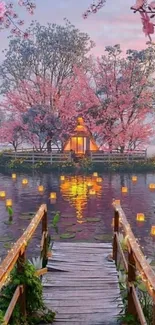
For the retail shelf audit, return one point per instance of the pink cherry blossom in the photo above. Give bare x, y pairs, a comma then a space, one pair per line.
2, 9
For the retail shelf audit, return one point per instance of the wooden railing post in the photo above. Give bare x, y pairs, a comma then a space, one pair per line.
131, 279
22, 297
45, 230
116, 231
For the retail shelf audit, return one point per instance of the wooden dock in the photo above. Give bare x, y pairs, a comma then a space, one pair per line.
81, 285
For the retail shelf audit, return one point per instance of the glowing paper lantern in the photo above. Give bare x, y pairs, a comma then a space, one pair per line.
40, 188
140, 217
92, 192
152, 186
2, 194
14, 176
153, 230
8, 203
62, 178
124, 189
25, 181
89, 184
117, 202
53, 195
95, 174
134, 178
99, 179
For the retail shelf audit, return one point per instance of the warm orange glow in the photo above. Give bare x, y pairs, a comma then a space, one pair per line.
92, 192
2, 194
62, 178
75, 189
99, 179
53, 195
134, 178
40, 188
124, 189
81, 140
95, 174
153, 230
25, 181
14, 176
8, 203
152, 186
140, 217
117, 202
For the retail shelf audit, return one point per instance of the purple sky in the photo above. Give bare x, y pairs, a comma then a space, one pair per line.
114, 24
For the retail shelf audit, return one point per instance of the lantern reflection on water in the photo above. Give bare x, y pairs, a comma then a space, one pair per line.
14, 176
152, 186
134, 178
153, 230
75, 189
40, 188
25, 181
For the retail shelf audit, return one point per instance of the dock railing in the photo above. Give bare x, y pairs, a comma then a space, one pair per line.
135, 263
17, 256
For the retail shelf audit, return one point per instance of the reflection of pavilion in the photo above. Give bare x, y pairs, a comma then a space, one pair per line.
75, 189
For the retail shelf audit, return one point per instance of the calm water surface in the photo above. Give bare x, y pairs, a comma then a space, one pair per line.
76, 205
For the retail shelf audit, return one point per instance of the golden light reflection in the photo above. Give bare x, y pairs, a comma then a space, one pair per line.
75, 189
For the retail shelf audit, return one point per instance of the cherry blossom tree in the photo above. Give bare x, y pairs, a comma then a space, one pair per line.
52, 53
9, 17
12, 132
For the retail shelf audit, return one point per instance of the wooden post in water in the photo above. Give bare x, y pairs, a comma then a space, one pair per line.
45, 231
22, 297
131, 279
116, 231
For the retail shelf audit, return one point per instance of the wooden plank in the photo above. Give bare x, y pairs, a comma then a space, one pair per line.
12, 304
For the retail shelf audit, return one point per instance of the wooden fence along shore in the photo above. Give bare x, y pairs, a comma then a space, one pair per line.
85, 275
33, 157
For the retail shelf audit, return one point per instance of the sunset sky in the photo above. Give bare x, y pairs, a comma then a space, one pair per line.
114, 24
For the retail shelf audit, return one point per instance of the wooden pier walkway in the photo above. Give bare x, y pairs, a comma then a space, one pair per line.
81, 285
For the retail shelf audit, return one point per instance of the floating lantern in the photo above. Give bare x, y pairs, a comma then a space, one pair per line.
117, 202
99, 179
89, 184
25, 181
134, 178
40, 188
14, 176
153, 230
8, 203
62, 178
95, 174
140, 217
53, 195
124, 189
152, 186
2, 194
92, 192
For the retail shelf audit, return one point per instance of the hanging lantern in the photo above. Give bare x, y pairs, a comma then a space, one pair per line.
124, 189
25, 181
92, 192
53, 195
99, 179
40, 188
62, 178
95, 174
153, 230
140, 217
152, 186
2, 194
14, 176
134, 178
8, 203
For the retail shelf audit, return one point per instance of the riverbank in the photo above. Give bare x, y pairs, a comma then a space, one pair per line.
84, 165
